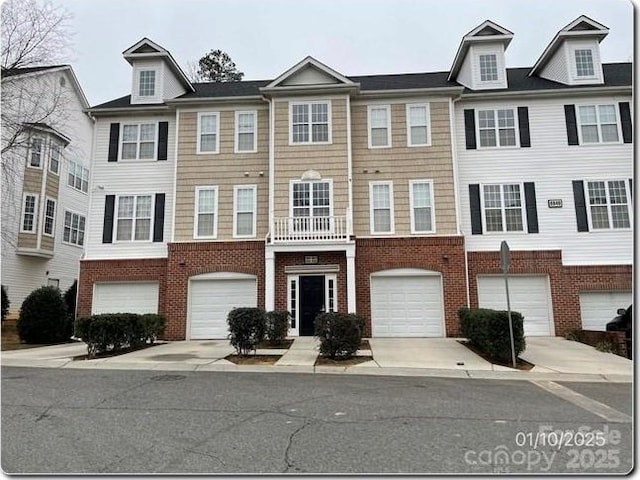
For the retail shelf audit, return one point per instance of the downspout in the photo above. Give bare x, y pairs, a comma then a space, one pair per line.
454, 162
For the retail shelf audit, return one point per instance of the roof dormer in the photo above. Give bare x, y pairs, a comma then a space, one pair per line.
156, 76
480, 61
573, 56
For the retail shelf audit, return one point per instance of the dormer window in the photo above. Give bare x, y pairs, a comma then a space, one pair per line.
584, 63
147, 83
488, 68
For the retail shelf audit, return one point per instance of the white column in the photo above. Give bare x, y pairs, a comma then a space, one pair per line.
269, 280
351, 278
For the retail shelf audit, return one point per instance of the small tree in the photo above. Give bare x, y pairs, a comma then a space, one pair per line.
217, 66
277, 326
246, 328
5, 303
70, 299
43, 317
340, 334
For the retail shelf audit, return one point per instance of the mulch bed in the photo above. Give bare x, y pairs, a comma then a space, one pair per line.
253, 359
348, 362
520, 363
286, 344
116, 353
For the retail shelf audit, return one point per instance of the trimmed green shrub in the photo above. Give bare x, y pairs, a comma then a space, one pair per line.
277, 326
340, 334
5, 303
70, 299
488, 330
43, 317
246, 328
110, 332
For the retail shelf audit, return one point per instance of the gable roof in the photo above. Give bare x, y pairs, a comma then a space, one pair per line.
581, 27
487, 31
12, 72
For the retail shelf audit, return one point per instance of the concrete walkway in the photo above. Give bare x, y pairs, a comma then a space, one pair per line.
555, 359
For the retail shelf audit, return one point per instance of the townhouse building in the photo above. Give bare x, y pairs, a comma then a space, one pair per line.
311, 192
46, 148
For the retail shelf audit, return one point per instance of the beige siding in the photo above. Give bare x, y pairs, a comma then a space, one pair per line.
223, 170
330, 160
53, 182
47, 243
27, 240
32, 180
401, 164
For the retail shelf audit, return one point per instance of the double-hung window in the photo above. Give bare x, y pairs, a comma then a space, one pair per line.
598, 123
379, 126
133, 221
54, 160
36, 151
381, 202
73, 228
147, 86
421, 199
138, 141
503, 211
584, 62
310, 122
488, 68
246, 132
608, 204
311, 206
244, 217
49, 216
29, 213
418, 125
78, 177
206, 215
208, 132
497, 128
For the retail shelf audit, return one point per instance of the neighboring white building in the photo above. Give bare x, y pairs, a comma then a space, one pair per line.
46, 144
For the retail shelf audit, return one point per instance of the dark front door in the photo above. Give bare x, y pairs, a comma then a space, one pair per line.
311, 302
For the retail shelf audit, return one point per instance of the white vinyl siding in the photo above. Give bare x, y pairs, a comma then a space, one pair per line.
133, 220
246, 132
138, 141
309, 123
502, 207
422, 208
29, 223
208, 132
49, 217
598, 124
206, 212
244, 211
418, 128
497, 128
381, 207
379, 119
74, 225
608, 204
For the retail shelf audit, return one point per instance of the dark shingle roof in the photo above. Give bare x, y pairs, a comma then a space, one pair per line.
10, 72
615, 74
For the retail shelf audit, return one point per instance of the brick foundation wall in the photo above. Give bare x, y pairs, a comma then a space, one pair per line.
594, 337
440, 254
566, 282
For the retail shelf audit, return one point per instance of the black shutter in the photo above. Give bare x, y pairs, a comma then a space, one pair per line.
163, 133
572, 125
470, 128
532, 209
158, 221
581, 206
114, 138
476, 211
523, 124
625, 118
107, 226
631, 188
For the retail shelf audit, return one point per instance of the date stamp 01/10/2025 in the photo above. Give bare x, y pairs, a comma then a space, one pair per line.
549, 449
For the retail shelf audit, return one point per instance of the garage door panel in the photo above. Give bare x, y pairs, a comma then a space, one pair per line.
125, 297
599, 308
528, 295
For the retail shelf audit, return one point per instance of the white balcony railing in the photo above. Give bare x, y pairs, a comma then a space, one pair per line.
309, 229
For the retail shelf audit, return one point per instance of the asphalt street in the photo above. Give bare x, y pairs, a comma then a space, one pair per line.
109, 421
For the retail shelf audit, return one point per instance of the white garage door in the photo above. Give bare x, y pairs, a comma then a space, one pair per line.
406, 303
529, 295
599, 308
125, 297
211, 300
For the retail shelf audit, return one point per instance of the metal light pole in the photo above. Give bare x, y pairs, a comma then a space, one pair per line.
505, 260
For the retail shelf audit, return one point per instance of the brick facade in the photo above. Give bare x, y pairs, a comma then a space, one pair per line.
566, 282
440, 254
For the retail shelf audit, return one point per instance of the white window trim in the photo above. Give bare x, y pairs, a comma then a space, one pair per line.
51, 150
391, 208
215, 212
412, 211
599, 124
159, 84
84, 232
408, 112
329, 122
155, 82
486, 54
35, 212
199, 132
379, 107
516, 126
42, 152
523, 208
324, 180
133, 225
295, 332
235, 209
592, 229
138, 159
75, 165
53, 221
237, 131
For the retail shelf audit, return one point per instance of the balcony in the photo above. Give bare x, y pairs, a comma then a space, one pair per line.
309, 229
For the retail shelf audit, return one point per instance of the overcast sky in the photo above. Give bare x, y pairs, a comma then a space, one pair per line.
355, 37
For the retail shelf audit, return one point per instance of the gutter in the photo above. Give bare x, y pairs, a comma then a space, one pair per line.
556, 92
